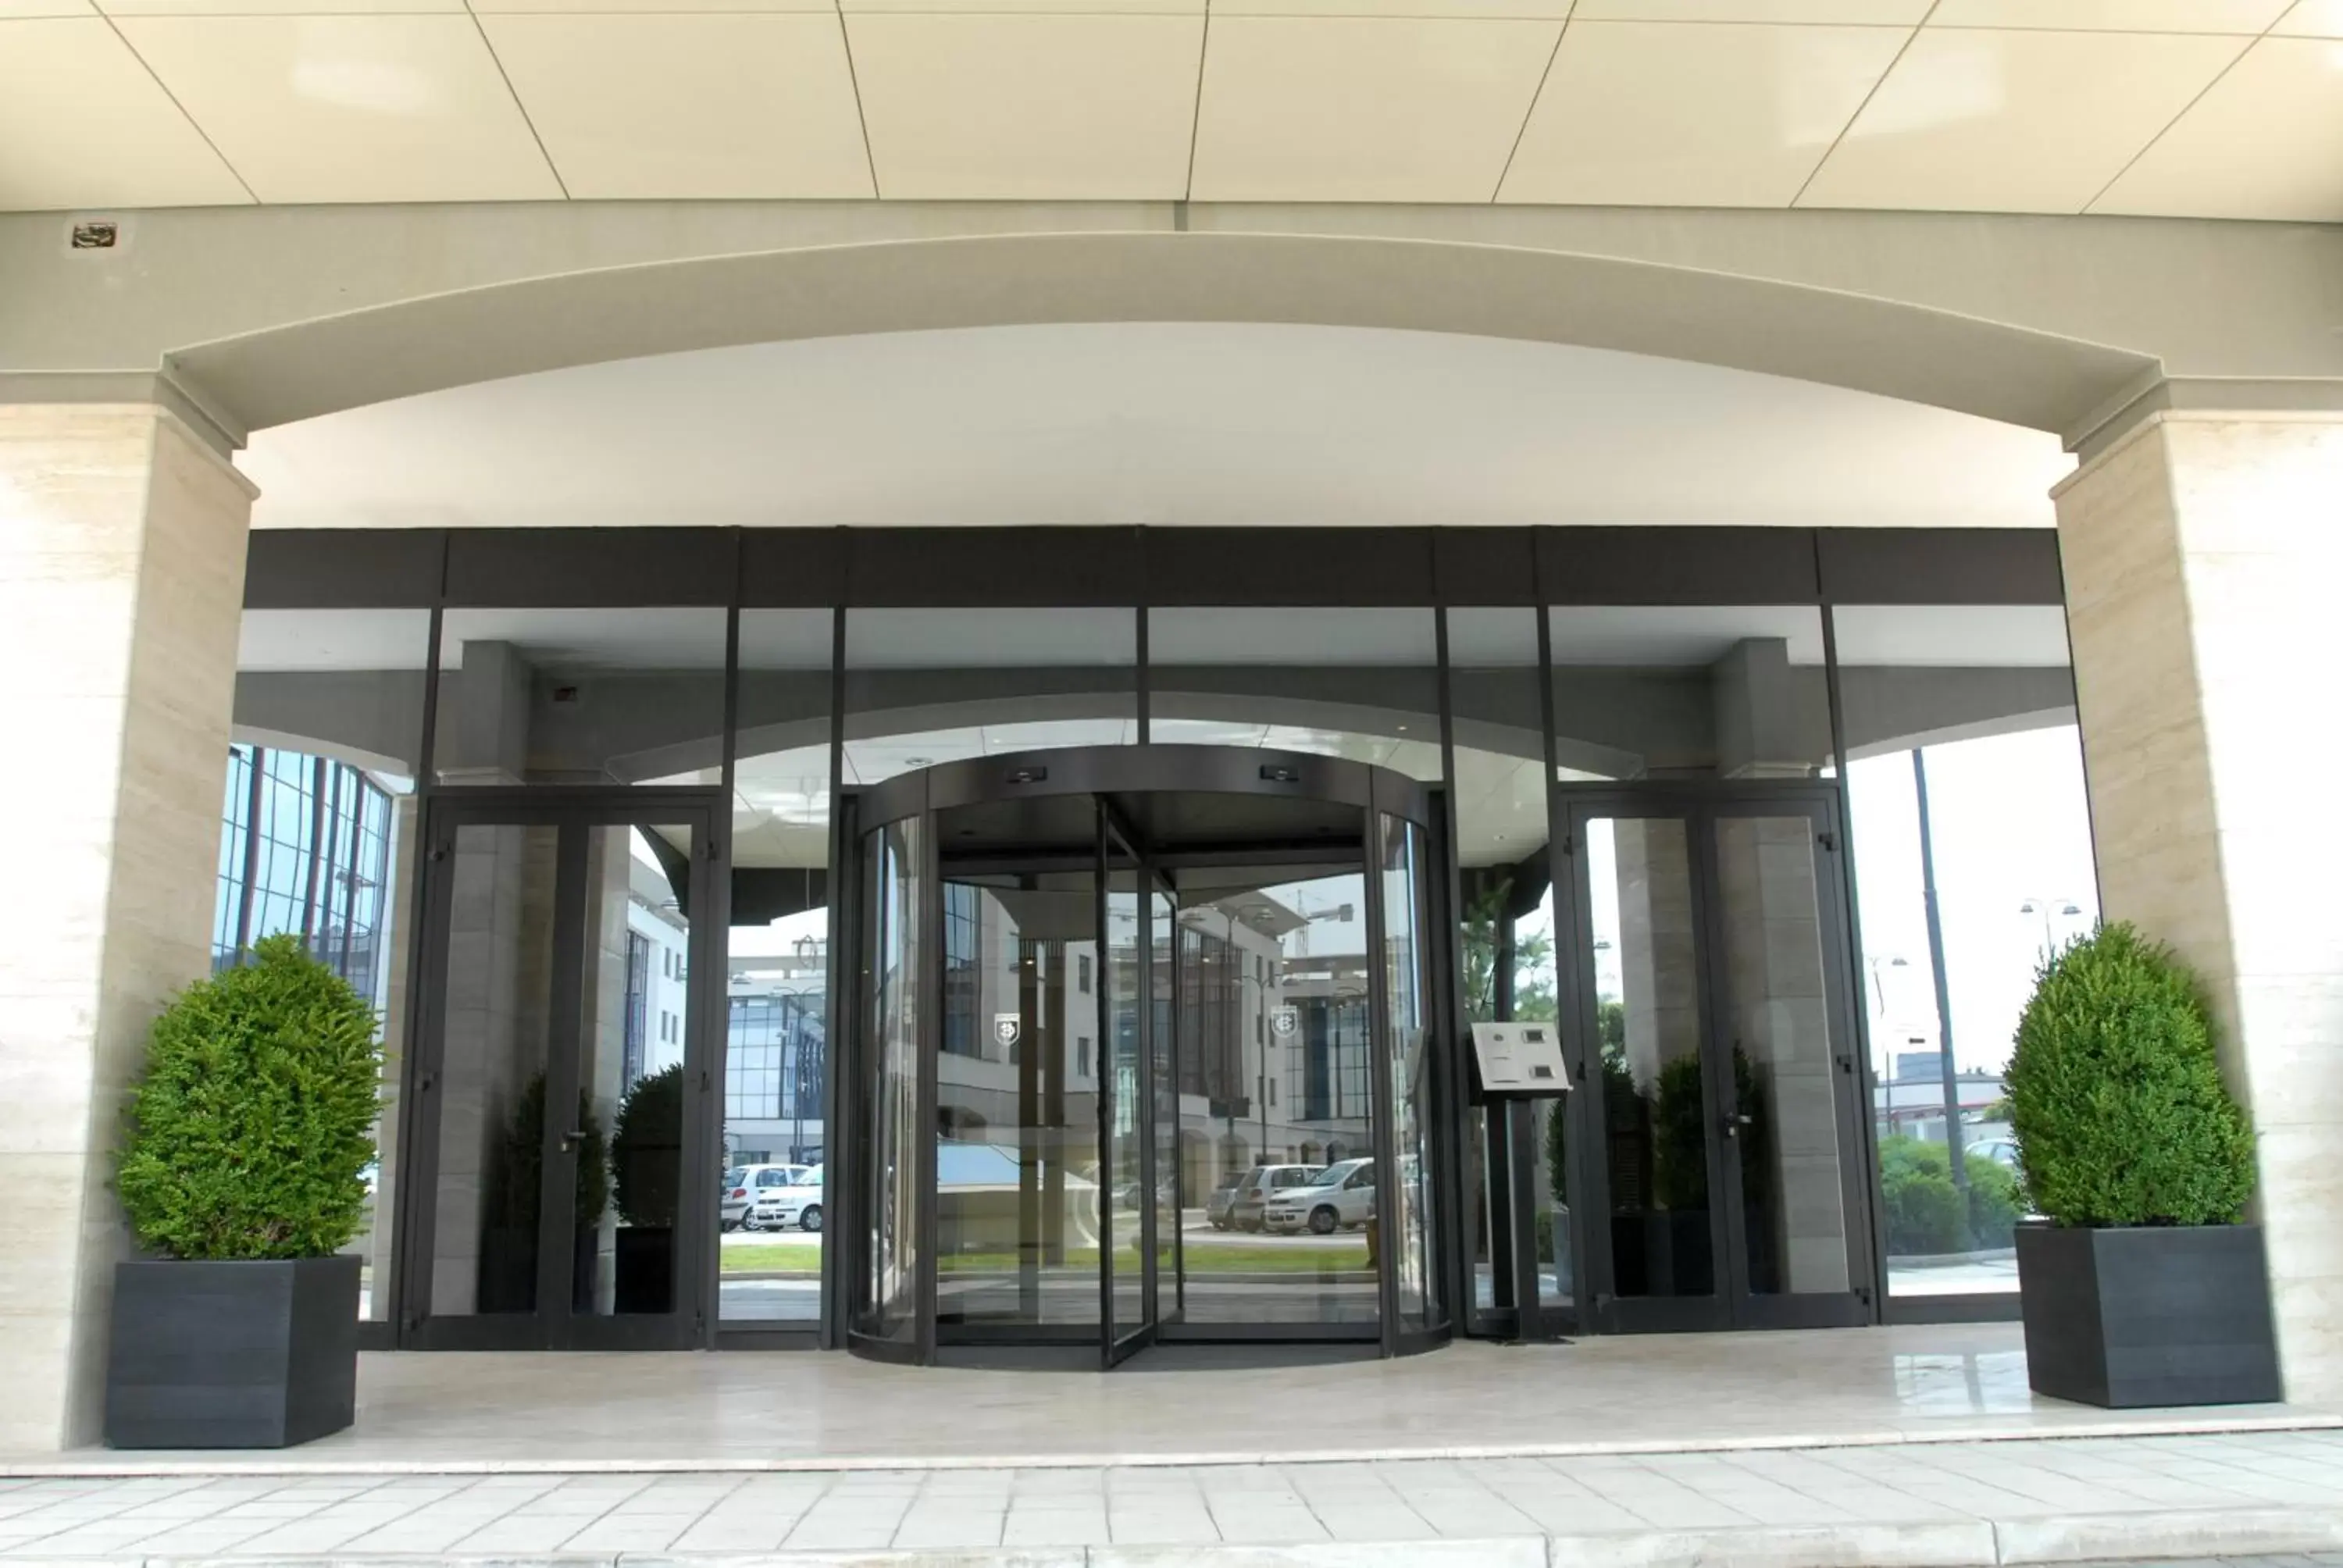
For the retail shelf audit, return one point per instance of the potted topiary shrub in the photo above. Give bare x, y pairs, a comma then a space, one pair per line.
2139, 1285
646, 1168
240, 1174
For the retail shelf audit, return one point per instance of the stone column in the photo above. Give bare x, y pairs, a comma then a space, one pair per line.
2204, 562
122, 540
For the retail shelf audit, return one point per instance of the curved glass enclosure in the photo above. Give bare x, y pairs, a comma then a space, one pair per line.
1142, 1050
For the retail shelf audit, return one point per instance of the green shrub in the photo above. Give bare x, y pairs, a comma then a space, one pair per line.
2115, 1099
1921, 1206
1997, 1200
647, 1149
249, 1133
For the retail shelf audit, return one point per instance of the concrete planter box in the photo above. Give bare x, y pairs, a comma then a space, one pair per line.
2147, 1315
232, 1354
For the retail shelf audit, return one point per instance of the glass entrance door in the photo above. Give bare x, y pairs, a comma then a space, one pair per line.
1722, 1101
565, 1180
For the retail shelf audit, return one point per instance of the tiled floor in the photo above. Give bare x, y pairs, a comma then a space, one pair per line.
2022, 1500
1653, 1393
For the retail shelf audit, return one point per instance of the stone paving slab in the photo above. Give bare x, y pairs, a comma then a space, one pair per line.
2228, 1495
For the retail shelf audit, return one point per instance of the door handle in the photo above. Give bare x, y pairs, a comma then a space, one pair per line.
572, 1139
1734, 1124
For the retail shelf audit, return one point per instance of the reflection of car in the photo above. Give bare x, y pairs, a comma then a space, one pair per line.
2002, 1151
1343, 1195
1237, 1201
796, 1204
745, 1184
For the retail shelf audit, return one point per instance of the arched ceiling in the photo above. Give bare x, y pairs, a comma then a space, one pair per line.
1154, 423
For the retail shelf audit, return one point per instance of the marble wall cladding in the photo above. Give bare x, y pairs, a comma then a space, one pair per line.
121, 542
2204, 564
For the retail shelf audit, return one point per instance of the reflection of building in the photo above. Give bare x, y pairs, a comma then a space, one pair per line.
658, 967
775, 1048
306, 849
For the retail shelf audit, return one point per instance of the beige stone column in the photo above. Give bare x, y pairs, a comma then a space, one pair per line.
2204, 562
122, 540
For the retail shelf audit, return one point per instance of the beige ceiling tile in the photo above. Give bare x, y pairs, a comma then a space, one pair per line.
968, 107
2266, 142
12, 10
1518, 10
84, 124
1036, 7
2112, 15
1691, 115
1363, 108
350, 108
1977, 121
688, 107
2312, 19
278, 7
650, 7
1846, 13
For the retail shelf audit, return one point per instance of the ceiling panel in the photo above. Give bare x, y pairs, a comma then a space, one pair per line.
1041, 7
2265, 142
1033, 107
1691, 115
1852, 13
82, 123
1363, 108
689, 106
2248, 17
2313, 19
13, 9
350, 108
2014, 121
1517, 10
275, 7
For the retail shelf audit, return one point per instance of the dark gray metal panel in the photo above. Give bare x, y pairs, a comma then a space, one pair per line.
793, 567
591, 567
1333, 566
343, 568
1011, 566
1677, 566
1939, 566
1484, 566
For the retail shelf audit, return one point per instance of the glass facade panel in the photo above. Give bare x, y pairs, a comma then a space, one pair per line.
776, 1058
1507, 933
1973, 861
1359, 683
1667, 692
929, 686
580, 697
1407, 1220
319, 832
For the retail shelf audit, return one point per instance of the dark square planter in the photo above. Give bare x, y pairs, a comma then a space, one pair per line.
232, 1355
2147, 1315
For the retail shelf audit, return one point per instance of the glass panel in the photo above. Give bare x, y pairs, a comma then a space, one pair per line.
1357, 683
1407, 1220
1975, 706
1128, 1118
631, 1037
1275, 1098
1776, 1015
580, 697
776, 1065
1173, 1208
491, 1091
1507, 919
319, 834
1647, 1020
887, 1302
1690, 692
927, 686
1018, 1178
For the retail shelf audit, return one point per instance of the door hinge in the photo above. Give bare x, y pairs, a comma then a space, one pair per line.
1569, 845
1829, 841
705, 1083
1846, 1065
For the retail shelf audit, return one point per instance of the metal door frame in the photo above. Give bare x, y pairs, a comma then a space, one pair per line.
1700, 807
554, 1324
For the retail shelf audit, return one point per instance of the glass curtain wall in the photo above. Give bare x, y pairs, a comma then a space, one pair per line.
1973, 863
1507, 933
777, 975
319, 834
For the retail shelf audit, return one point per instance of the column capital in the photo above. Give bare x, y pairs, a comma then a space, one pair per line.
2158, 396
172, 391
